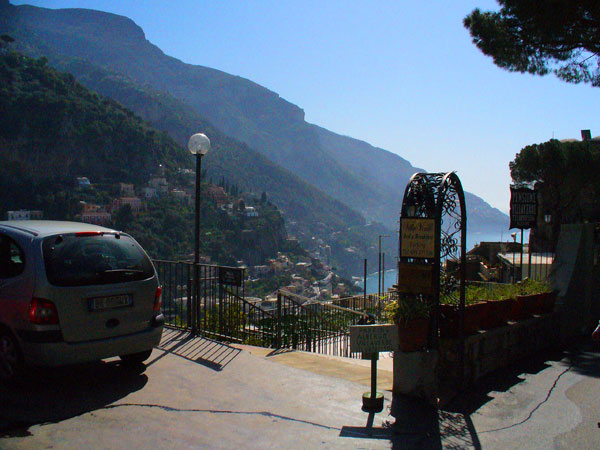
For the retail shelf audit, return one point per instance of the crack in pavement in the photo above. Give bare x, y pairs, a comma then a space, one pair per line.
530, 415
217, 411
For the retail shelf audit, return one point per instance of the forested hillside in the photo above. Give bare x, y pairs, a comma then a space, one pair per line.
54, 130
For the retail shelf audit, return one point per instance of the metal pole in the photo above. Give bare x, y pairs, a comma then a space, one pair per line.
365, 283
196, 319
521, 264
379, 270
278, 324
383, 272
374, 358
379, 274
197, 228
513, 265
529, 251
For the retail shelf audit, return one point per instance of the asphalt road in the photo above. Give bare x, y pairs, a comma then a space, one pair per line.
549, 401
196, 393
193, 393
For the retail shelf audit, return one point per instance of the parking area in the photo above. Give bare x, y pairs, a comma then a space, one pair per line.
198, 393
192, 393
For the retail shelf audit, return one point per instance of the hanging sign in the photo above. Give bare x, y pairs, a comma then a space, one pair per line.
523, 208
417, 238
415, 278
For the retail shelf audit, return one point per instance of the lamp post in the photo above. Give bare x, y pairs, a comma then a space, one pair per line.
198, 145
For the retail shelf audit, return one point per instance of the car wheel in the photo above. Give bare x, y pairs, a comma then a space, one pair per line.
11, 360
136, 358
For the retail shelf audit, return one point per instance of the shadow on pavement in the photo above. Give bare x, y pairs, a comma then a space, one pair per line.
419, 425
212, 354
416, 426
53, 395
577, 357
368, 431
585, 358
455, 425
280, 351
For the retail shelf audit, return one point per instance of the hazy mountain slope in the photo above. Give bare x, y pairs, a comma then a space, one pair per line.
54, 130
228, 158
389, 174
238, 107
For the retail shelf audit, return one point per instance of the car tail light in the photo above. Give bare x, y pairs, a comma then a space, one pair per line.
158, 299
42, 312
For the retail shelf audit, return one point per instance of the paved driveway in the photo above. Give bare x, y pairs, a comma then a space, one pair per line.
194, 393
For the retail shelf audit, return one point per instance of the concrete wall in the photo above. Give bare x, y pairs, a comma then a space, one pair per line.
575, 275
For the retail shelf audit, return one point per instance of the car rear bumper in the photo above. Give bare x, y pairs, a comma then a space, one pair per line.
62, 353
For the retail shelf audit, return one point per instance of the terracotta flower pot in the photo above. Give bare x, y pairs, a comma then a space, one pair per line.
498, 313
475, 315
515, 310
412, 335
529, 304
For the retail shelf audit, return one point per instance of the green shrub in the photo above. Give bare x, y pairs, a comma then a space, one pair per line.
497, 291
406, 308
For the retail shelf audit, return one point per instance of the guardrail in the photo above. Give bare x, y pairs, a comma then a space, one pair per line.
213, 304
202, 298
371, 303
315, 326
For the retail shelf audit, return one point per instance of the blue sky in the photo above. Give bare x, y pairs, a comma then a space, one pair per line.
401, 75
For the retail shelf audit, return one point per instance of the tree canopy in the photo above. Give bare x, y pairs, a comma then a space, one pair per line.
566, 175
542, 37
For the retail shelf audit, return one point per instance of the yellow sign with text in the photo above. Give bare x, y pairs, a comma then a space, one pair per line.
418, 238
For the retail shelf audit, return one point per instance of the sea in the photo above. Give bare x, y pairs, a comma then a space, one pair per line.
390, 275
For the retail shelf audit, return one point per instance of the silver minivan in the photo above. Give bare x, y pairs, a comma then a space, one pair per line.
74, 292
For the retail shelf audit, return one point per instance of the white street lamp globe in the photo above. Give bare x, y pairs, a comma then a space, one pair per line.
199, 144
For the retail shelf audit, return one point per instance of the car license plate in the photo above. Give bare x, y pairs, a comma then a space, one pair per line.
113, 301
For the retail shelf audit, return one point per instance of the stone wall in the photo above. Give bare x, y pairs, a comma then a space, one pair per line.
489, 350
432, 374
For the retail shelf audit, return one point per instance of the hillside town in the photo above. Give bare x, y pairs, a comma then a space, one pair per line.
308, 276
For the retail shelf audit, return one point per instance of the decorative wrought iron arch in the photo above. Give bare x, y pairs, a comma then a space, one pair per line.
438, 198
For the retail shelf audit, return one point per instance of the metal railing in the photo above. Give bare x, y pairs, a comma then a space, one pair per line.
213, 303
315, 326
371, 303
215, 306
177, 284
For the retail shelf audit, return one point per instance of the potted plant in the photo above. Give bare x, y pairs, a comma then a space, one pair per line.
534, 297
411, 314
476, 314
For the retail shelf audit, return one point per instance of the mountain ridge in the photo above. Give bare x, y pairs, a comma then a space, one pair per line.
239, 107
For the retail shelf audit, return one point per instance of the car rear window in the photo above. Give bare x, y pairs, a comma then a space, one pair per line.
82, 259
